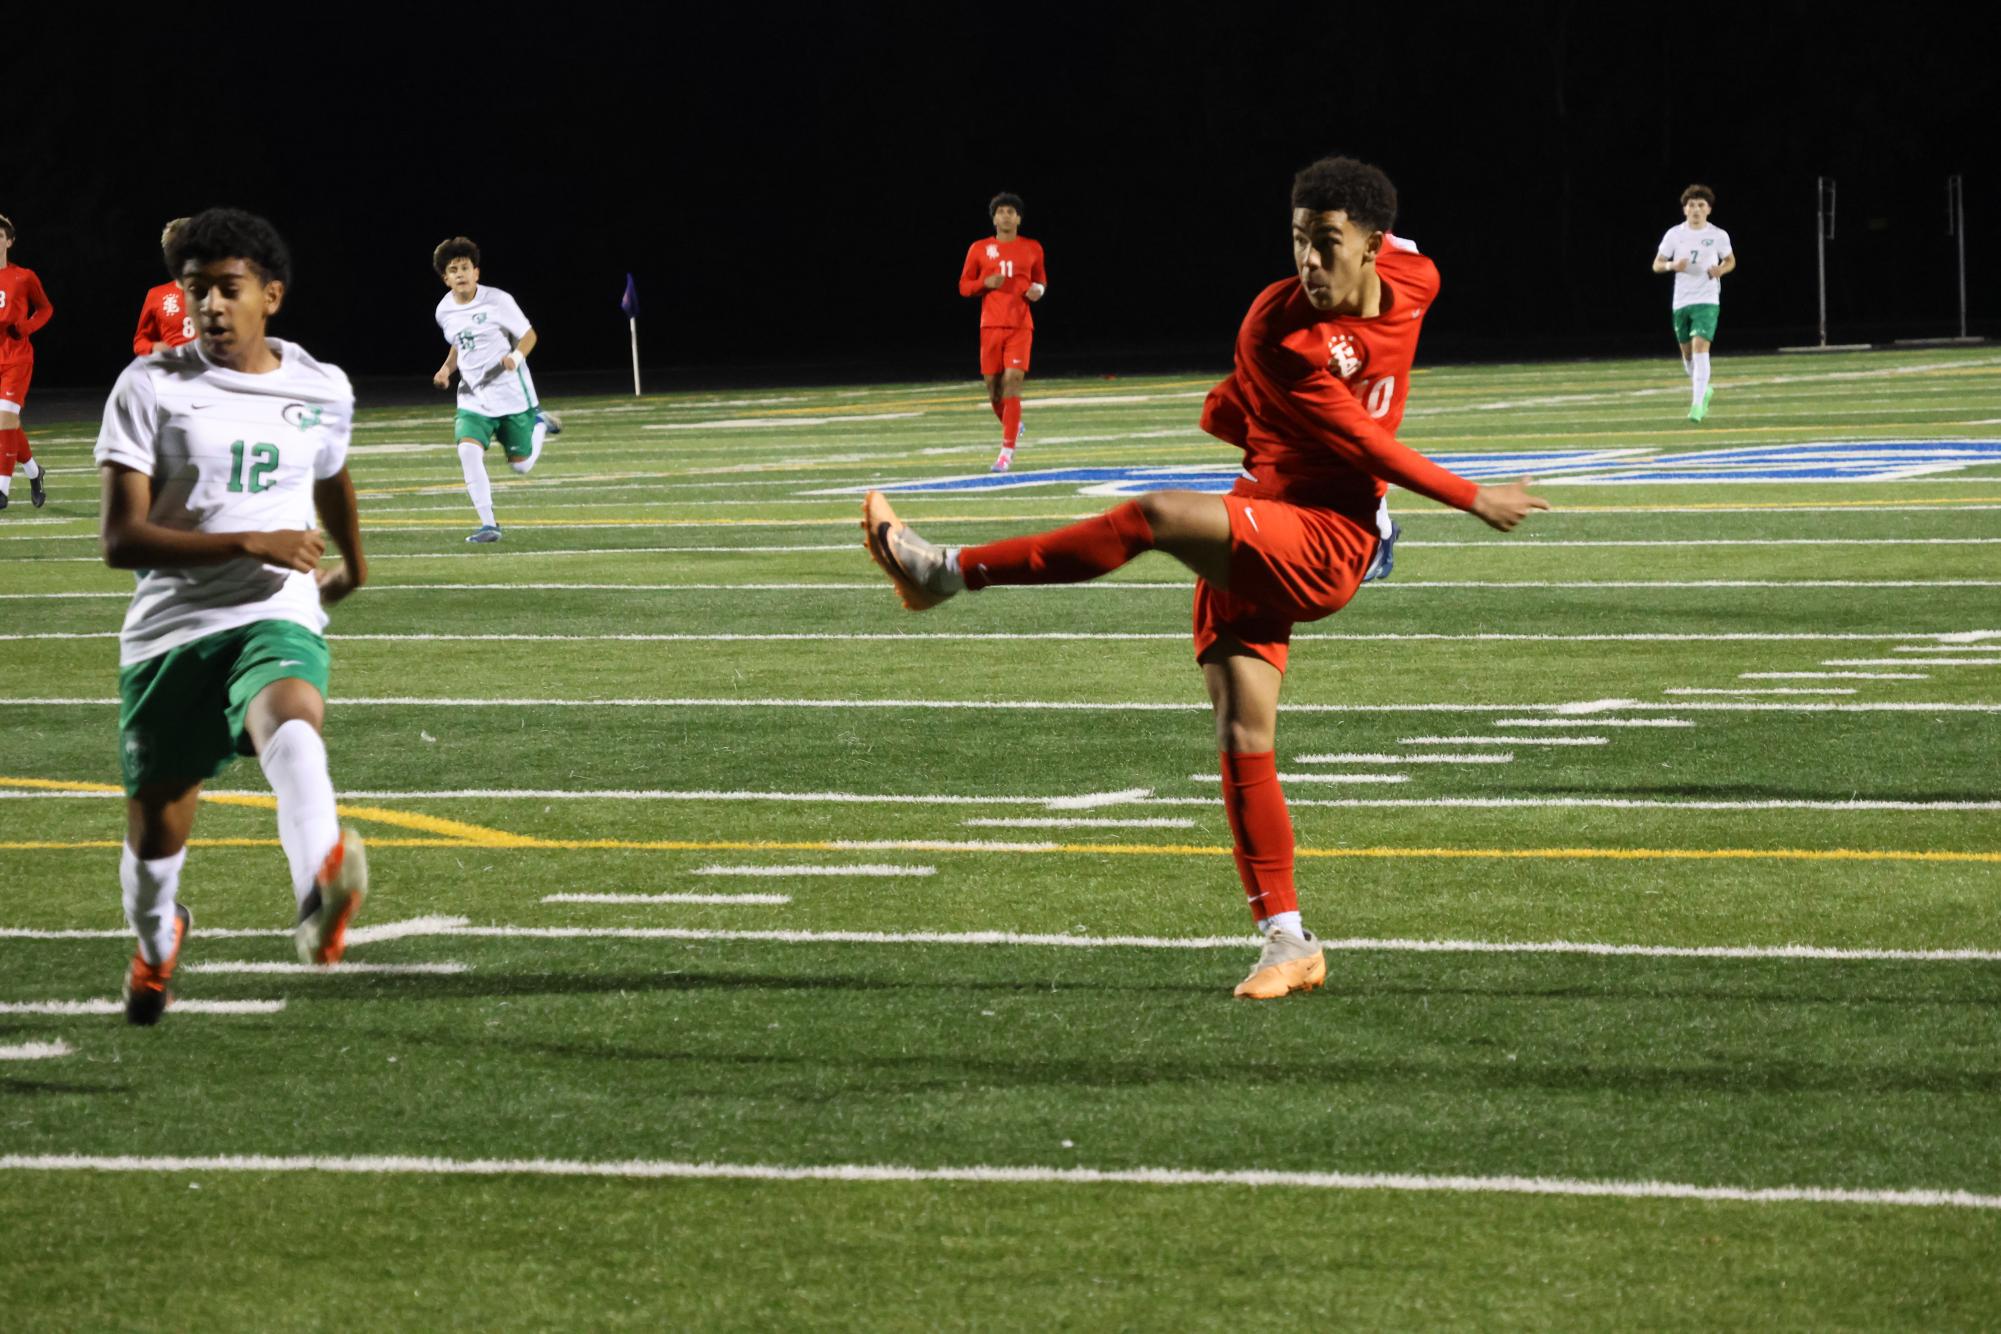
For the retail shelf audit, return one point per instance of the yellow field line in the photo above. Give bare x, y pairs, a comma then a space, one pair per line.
522, 842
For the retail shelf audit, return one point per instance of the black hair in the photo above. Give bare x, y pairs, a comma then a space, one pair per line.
1355, 188
230, 233
1005, 199
1702, 192
456, 247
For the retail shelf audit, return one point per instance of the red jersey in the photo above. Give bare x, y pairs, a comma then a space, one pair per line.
23, 309
165, 318
1019, 263
1315, 400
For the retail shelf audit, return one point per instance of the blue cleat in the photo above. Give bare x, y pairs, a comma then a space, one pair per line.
1385, 558
487, 533
551, 420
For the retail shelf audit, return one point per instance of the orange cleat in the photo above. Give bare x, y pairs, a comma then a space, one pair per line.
1289, 963
146, 985
919, 570
338, 889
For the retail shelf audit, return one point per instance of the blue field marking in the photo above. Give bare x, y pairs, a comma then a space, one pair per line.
1815, 461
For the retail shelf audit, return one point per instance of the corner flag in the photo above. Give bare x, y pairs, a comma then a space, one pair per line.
629, 303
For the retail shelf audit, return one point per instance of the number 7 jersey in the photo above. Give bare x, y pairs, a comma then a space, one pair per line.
1315, 400
228, 452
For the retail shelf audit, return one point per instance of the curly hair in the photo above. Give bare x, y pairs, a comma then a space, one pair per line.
1005, 199
230, 233
1355, 188
1702, 192
456, 247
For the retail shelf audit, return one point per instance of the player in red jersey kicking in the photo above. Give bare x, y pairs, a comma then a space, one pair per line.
1322, 365
1005, 272
24, 308
165, 320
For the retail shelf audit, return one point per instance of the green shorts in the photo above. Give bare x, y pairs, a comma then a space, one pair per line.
181, 715
1695, 322
516, 431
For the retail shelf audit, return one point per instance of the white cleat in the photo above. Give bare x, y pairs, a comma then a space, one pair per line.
1005, 461
922, 574
338, 889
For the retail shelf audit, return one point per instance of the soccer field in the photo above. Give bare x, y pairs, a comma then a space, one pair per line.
744, 950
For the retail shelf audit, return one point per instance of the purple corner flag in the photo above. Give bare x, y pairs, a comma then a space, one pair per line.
629, 303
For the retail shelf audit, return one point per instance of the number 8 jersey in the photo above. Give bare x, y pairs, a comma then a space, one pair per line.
228, 452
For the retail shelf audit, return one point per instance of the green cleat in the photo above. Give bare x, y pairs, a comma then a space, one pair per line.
1701, 410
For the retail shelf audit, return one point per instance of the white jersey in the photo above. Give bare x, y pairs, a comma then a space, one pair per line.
484, 330
228, 452
1703, 250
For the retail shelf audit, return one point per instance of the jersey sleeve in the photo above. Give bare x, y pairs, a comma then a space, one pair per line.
1666, 248
512, 318
39, 309
1321, 409
970, 283
1725, 251
336, 430
147, 333
1038, 275
131, 428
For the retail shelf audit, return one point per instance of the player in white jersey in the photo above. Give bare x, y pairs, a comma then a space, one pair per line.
1697, 252
490, 340
215, 455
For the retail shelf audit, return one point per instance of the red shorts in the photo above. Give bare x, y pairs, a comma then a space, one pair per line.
1004, 349
14, 377
1288, 563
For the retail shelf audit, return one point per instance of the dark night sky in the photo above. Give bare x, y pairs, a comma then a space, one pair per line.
797, 195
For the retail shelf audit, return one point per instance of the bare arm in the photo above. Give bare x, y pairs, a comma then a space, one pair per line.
1662, 264
443, 379
130, 539
521, 350
335, 498
1729, 265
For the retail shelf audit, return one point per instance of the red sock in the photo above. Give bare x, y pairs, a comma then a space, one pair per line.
1010, 421
1062, 555
10, 441
22, 453
1262, 829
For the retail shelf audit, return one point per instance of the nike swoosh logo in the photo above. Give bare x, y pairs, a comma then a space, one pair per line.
1253, 518
292, 662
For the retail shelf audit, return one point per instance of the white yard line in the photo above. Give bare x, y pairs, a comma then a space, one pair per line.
1079, 822
1363, 758
94, 1007
343, 969
1503, 741
748, 900
1592, 722
982, 1175
35, 1051
1762, 690
1127, 706
1912, 662
1315, 778
859, 870
1093, 636
1833, 676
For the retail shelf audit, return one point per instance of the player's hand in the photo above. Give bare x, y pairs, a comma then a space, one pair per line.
443, 379
994, 280
293, 548
508, 363
1506, 505
1034, 292
335, 582
1713, 270
1679, 266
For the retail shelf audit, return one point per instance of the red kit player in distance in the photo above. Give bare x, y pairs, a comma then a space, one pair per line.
1322, 366
165, 320
1005, 271
24, 308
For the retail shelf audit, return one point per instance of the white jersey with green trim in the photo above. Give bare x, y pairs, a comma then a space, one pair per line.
1703, 249
228, 452
484, 330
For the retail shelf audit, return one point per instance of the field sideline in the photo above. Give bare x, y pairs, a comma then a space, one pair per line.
746, 950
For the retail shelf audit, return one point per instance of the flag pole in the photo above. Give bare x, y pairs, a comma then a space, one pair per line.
629, 303
633, 321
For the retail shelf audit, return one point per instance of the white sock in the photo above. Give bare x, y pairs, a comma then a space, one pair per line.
149, 900
6, 484
295, 764
1687, 366
1281, 921
535, 448
1701, 376
472, 461
32, 468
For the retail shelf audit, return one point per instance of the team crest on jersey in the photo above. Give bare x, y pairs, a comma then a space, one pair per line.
993, 252
1343, 357
479, 318
171, 305
301, 416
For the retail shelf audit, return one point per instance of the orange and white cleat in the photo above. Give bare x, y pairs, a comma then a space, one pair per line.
338, 889
921, 571
1289, 963
147, 986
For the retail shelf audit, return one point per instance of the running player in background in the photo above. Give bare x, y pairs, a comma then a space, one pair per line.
1697, 252
215, 456
164, 320
24, 308
1322, 365
1005, 271
490, 340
